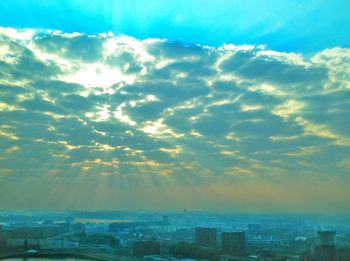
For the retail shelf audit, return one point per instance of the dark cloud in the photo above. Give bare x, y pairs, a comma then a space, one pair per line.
80, 46
20, 63
269, 69
9, 93
56, 87
39, 104
75, 102
125, 60
175, 50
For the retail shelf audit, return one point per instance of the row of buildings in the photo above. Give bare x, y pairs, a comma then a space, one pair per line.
234, 244
50, 243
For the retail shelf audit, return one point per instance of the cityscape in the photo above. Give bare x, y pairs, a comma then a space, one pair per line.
184, 235
174, 130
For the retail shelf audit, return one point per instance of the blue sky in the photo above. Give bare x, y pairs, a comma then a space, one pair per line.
302, 26
156, 105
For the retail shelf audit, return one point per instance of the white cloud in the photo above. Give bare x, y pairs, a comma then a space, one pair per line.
120, 115
288, 108
159, 130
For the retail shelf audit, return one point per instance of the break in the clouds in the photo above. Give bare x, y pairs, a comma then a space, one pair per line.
97, 121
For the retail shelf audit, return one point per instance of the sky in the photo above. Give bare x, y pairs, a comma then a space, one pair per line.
160, 105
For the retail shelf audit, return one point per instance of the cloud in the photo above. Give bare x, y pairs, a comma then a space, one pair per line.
73, 46
159, 112
275, 68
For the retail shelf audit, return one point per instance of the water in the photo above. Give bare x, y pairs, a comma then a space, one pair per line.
100, 220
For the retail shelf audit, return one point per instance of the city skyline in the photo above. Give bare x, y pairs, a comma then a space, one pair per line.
152, 111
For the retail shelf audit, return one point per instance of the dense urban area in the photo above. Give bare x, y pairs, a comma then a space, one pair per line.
185, 235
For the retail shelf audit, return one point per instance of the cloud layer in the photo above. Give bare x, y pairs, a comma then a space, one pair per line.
119, 117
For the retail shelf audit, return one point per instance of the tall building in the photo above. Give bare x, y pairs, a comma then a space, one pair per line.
165, 220
326, 238
325, 250
233, 243
205, 236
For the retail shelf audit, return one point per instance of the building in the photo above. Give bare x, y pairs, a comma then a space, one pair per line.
343, 254
325, 250
165, 220
233, 243
326, 238
145, 248
206, 237
91, 228
254, 229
